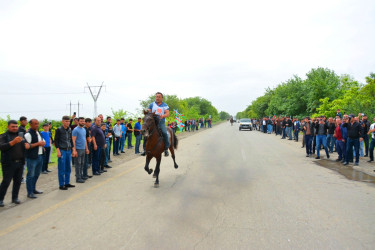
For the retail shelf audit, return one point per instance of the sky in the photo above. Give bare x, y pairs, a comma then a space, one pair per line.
228, 52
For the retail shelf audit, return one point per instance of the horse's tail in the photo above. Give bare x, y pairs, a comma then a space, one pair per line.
175, 141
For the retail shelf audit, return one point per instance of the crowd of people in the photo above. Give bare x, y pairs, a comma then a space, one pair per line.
348, 135
81, 142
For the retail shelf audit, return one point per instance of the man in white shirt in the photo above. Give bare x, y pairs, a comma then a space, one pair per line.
372, 144
34, 158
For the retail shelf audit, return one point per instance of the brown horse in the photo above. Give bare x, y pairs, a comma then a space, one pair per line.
155, 144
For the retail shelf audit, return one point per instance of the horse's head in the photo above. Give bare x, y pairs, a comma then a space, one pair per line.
149, 123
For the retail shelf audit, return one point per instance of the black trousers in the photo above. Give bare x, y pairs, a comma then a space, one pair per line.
12, 171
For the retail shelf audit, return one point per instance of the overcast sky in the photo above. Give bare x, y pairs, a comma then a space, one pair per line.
225, 51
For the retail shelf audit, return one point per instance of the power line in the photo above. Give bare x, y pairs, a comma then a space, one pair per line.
51, 93
95, 95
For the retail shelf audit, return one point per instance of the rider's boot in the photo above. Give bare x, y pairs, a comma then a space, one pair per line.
166, 153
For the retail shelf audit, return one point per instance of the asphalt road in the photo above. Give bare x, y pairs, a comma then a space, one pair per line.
233, 190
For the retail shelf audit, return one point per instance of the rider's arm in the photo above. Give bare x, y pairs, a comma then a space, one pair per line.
166, 114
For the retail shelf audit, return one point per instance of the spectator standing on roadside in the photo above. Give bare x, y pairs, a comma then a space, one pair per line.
321, 137
64, 144
88, 157
340, 135
22, 129
331, 130
289, 125
80, 149
46, 134
98, 141
52, 142
354, 137
130, 133
117, 131
365, 127
372, 144
34, 158
308, 128
137, 134
12, 148
103, 157
123, 137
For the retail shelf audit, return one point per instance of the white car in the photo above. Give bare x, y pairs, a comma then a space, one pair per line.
246, 123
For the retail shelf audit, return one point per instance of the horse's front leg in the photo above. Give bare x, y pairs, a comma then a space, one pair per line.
148, 159
157, 171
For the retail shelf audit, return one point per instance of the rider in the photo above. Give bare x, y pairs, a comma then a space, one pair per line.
162, 110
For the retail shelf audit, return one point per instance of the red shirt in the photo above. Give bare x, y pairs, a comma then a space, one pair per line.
338, 133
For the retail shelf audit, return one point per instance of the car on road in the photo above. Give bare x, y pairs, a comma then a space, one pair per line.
245, 124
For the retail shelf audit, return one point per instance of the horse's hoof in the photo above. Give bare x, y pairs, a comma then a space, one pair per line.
154, 175
150, 171
176, 166
156, 185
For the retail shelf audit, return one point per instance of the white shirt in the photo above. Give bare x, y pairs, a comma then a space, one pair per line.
28, 139
372, 127
264, 122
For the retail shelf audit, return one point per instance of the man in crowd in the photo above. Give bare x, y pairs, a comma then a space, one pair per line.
137, 134
372, 144
47, 137
12, 148
354, 137
98, 144
192, 125
129, 133
289, 125
365, 127
64, 144
22, 130
308, 128
80, 149
296, 129
283, 127
331, 130
88, 157
340, 134
34, 158
321, 137
117, 131
123, 135
104, 154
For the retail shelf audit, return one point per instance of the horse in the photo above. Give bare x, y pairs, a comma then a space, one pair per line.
155, 143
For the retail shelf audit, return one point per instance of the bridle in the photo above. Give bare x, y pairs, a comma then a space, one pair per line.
148, 128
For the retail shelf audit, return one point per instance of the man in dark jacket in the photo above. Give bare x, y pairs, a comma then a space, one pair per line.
64, 145
365, 127
308, 129
341, 136
321, 137
12, 148
355, 135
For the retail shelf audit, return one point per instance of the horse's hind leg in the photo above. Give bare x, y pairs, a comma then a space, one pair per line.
157, 171
148, 159
173, 157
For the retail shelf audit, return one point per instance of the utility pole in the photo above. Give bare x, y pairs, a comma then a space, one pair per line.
70, 107
95, 95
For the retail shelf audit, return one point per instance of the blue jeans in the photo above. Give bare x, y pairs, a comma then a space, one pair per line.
86, 165
96, 159
361, 148
107, 152
308, 142
284, 132
269, 128
137, 142
129, 140
296, 135
330, 142
64, 167
372, 146
349, 149
116, 143
122, 142
34, 167
321, 139
165, 135
341, 149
